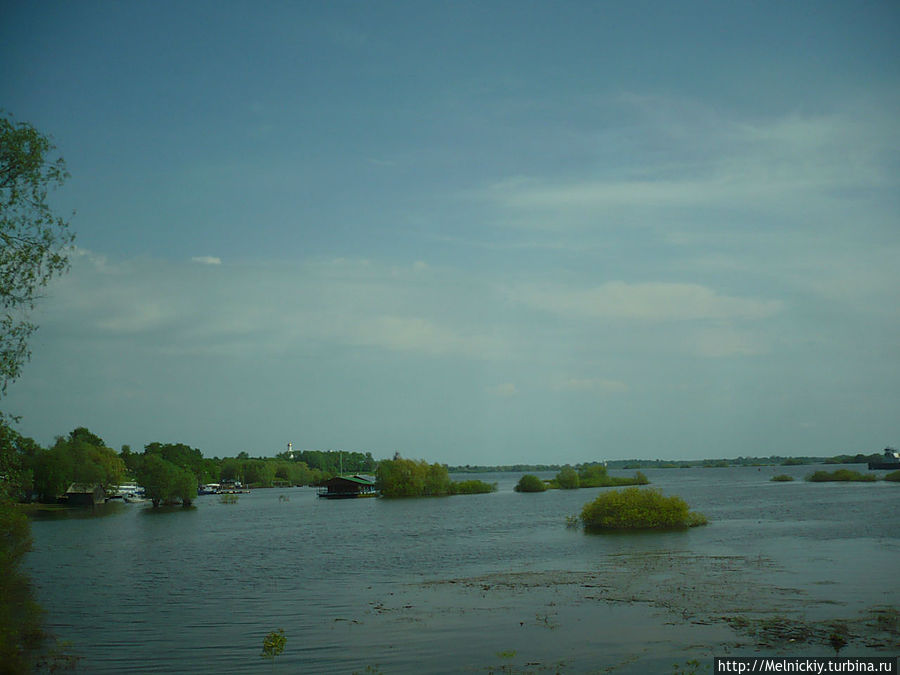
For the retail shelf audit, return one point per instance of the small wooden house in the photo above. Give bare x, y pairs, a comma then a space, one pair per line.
85, 494
347, 487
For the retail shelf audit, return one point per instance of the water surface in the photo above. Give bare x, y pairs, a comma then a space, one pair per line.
464, 583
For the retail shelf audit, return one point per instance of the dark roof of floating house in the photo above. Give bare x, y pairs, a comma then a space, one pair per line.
85, 493
349, 483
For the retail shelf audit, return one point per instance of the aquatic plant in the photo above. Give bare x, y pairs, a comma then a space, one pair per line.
838, 640
567, 479
273, 645
530, 483
840, 475
595, 475
887, 619
893, 476
692, 667
471, 487
638, 509
782, 478
228, 499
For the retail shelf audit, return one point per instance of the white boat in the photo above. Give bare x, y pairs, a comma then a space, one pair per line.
130, 492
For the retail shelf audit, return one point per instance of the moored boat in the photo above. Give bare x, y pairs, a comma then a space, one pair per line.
891, 461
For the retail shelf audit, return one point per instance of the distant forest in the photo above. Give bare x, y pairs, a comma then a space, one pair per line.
772, 460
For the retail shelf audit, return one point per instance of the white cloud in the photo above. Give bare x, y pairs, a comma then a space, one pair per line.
207, 260
644, 301
271, 308
591, 384
701, 159
726, 341
504, 390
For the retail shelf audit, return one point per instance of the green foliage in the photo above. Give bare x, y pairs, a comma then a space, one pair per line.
595, 475
637, 509
16, 459
33, 239
840, 475
400, 477
185, 457
333, 462
259, 473
228, 499
893, 476
21, 633
165, 482
530, 483
273, 644
782, 478
82, 457
567, 479
471, 487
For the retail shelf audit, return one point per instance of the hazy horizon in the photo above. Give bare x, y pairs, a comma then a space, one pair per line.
475, 233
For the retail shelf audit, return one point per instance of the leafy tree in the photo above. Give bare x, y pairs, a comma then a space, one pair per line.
567, 478
33, 239
400, 477
183, 456
165, 482
53, 471
259, 472
79, 458
231, 469
33, 244
16, 464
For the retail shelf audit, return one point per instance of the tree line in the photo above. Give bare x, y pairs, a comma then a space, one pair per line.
169, 472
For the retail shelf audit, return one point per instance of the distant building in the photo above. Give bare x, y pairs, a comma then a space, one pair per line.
85, 494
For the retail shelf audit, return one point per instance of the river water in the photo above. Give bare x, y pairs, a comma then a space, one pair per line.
473, 583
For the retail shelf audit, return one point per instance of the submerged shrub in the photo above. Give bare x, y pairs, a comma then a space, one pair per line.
782, 478
841, 475
567, 479
893, 476
637, 509
530, 483
471, 487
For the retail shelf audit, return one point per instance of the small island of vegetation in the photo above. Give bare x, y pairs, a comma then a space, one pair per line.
400, 477
840, 475
782, 478
585, 476
530, 483
593, 475
638, 509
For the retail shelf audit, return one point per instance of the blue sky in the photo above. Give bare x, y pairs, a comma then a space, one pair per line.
488, 232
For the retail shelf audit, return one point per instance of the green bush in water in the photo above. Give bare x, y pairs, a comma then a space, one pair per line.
567, 479
893, 476
471, 487
638, 509
782, 478
530, 483
841, 475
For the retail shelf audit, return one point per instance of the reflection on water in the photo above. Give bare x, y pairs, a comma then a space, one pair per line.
402, 584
